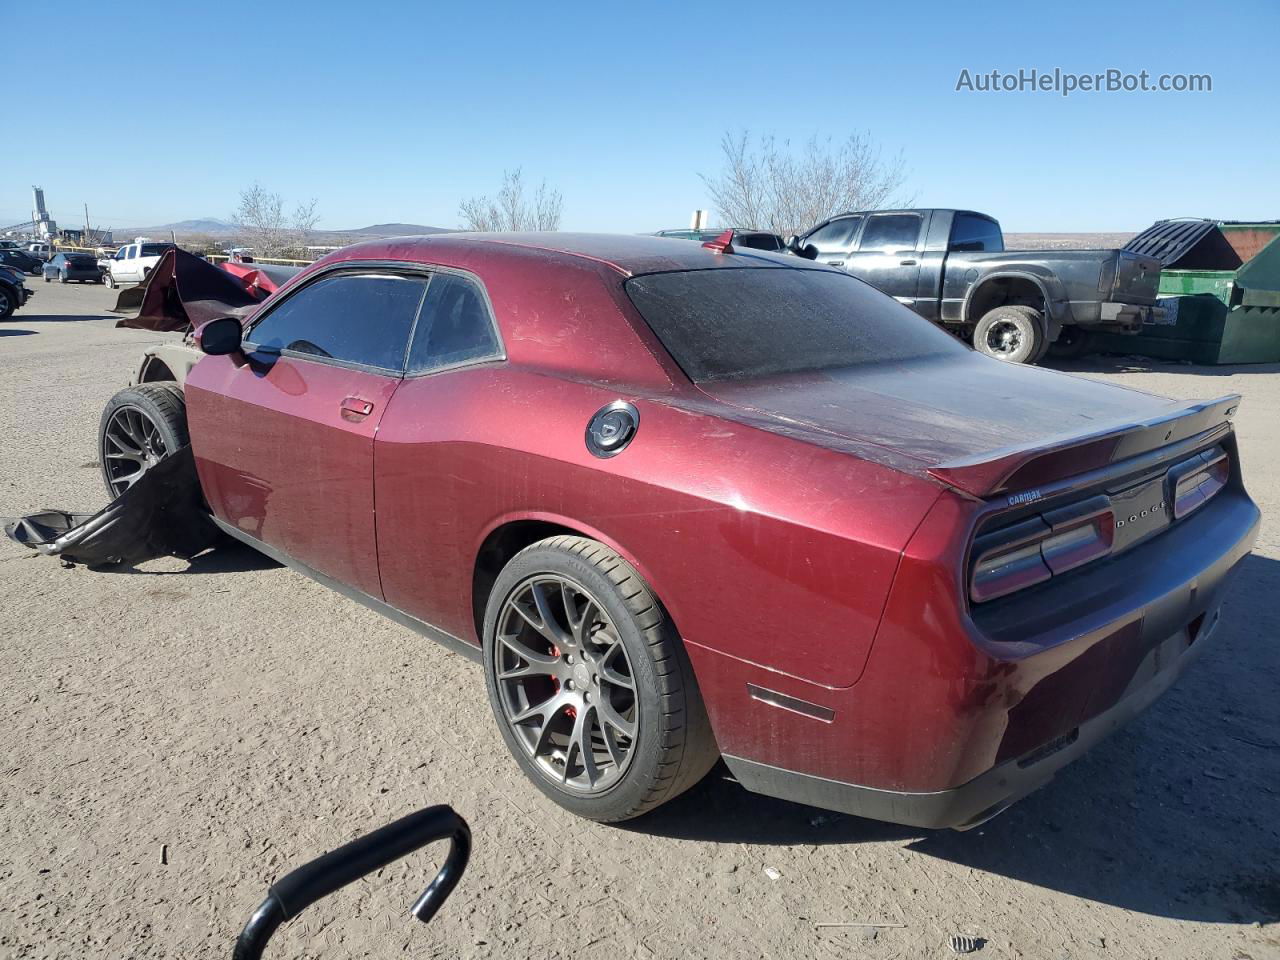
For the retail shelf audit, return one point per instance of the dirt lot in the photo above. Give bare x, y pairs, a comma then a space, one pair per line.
174, 737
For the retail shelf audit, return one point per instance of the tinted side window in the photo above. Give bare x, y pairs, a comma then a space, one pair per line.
975, 233
835, 235
453, 327
891, 231
359, 318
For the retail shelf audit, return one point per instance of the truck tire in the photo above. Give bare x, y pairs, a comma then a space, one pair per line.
1012, 333
1072, 342
575, 640
139, 426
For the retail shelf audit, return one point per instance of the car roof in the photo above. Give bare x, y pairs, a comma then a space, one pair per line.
919, 210
626, 254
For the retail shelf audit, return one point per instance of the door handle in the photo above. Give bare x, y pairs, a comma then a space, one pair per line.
353, 408
835, 263
906, 263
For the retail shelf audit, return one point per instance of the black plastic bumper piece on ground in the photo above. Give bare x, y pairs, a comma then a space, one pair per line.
992, 792
163, 514
296, 891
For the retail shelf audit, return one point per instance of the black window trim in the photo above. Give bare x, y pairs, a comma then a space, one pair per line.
385, 268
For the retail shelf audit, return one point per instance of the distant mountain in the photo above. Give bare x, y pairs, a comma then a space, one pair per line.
394, 230
210, 225
214, 227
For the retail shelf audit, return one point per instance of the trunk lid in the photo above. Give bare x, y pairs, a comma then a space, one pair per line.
976, 424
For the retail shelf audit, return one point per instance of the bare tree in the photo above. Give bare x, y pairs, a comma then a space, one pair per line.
509, 210
767, 185
265, 226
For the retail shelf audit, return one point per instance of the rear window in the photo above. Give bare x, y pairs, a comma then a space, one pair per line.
81, 260
970, 233
735, 324
154, 249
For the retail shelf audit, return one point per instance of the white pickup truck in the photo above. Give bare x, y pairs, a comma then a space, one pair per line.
133, 262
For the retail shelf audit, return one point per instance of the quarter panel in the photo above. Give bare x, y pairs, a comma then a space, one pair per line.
775, 550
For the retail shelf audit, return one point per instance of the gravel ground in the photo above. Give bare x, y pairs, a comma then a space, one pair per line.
176, 736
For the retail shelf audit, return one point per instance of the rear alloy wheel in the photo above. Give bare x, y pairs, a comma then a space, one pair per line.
139, 426
590, 684
1013, 333
62, 276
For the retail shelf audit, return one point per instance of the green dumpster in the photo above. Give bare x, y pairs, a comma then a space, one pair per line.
1220, 287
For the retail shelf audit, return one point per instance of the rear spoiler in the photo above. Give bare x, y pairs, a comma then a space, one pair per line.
1020, 468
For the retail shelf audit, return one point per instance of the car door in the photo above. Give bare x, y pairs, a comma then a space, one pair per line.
283, 435
834, 240
887, 254
122, 269
424, 478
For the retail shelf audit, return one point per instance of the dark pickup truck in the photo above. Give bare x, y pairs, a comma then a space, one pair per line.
951, 266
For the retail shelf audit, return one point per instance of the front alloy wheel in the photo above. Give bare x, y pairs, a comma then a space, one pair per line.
565, 683
139, 426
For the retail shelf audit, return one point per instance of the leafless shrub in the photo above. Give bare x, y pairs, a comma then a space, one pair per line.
266, 227
510, 210
767, 184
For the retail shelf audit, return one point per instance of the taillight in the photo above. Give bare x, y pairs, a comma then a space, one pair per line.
1030, 552
1196, 480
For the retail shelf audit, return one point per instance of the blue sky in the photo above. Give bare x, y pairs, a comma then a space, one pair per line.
397, 111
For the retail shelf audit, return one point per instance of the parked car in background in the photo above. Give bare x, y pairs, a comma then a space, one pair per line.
68, 267
951, 267
133, 262
755, 239
42, 250
14, 291
9, 245
685, 502
21, 260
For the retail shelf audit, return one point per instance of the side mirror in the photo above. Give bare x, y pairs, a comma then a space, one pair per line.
808, 251
220, 337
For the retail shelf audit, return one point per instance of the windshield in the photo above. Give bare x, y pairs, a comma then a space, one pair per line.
734, 324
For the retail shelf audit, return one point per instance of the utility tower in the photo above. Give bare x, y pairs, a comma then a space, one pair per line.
43, 226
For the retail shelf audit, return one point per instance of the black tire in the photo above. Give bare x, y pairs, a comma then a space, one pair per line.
46, 278
1012, 333
1072, 342
150, 418
8, 304
672, 747
110, 280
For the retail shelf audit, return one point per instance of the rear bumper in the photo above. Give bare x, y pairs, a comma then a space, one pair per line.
989, 793
952, 720
1128, 317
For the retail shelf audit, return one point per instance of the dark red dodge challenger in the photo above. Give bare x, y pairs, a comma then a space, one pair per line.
688, 502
